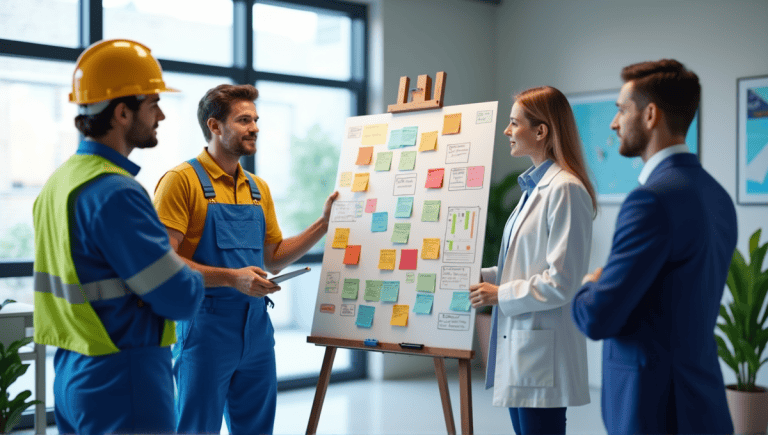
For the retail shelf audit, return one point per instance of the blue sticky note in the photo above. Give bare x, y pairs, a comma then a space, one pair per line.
404, 207
379, 222
389, 291
365, 316
460, 301
408, 136
423, 303
395, 138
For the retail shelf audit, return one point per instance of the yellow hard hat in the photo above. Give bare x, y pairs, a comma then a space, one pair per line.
116, 68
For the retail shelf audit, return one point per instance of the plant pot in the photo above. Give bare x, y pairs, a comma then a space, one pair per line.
749, 410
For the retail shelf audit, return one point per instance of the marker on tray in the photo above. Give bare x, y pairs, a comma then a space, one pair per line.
412, 346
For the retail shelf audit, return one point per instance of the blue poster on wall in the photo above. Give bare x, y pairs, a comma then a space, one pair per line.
752, 143
612, 174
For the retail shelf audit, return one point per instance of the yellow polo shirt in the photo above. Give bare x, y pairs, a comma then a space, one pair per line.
181, 205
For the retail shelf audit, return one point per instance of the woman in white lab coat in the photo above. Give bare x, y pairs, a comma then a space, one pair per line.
537, 362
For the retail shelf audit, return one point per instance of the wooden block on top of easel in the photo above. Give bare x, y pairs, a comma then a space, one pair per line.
422, 96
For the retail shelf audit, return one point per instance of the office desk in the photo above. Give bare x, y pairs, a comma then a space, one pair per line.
16, 323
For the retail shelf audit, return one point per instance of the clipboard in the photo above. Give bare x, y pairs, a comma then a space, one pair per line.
289, 275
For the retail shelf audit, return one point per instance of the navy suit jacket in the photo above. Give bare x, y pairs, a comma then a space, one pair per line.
657, 302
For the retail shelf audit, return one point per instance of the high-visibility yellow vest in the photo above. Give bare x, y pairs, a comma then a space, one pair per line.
63, 315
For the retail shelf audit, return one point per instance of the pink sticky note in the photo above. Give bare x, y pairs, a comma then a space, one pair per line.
435, 178
408, 258
475, 176
370, 206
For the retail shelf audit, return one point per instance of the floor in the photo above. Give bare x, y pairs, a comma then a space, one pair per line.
406, 406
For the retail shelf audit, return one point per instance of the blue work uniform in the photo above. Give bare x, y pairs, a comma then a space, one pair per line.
117, 240
224, 361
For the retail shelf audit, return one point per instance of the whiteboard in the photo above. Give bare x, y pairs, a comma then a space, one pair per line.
460, 226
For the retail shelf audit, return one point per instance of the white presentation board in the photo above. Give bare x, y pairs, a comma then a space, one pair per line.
448, 219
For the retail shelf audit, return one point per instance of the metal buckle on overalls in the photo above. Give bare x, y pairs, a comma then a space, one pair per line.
269, 302
256, 202
211, 200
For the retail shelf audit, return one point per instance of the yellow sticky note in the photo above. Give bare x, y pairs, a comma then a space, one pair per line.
387, 259
428, 141
374, 134
452, 123
340, 238
430, 250
399, 315
346, 179
360, 183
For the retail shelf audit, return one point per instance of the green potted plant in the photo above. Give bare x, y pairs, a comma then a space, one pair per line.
745, 336
11, 368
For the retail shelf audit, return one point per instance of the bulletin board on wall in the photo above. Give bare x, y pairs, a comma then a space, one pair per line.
406, 234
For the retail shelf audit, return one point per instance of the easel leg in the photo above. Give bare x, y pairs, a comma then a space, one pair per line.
322, 386
465, 385
442, 382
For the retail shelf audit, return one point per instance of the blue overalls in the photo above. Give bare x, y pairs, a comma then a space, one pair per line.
224, 360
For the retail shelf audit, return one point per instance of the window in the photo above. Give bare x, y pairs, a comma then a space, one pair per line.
305, 56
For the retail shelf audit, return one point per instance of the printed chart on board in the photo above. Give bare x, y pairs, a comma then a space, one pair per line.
406, 235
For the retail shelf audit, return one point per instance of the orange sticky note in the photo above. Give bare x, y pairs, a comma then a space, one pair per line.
364, 155
352, 254
428, 141
360, 183
430, 250
340, 238
399, 315
452, 123
408, 259
434, 178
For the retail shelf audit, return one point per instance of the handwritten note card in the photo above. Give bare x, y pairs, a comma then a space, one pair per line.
374, 134
340, 238
387, 259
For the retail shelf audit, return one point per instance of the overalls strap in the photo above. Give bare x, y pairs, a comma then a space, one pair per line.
205, 181
255, 193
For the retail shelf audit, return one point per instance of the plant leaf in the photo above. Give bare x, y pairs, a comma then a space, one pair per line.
726, 355
754, 239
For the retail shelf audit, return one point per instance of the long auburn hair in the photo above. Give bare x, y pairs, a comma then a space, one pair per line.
547, 105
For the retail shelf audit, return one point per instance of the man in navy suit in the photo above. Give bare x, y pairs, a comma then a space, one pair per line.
656, 302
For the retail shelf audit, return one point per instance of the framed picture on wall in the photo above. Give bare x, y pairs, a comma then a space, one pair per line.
752, 141
612, 174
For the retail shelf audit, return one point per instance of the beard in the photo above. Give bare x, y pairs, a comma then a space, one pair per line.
239, 147
633, 141
141, 136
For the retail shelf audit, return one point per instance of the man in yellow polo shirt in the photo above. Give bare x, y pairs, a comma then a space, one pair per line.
221, 220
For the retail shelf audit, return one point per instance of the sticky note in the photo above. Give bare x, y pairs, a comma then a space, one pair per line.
407, 161
434, 178
428, 141
374, 134
383, 161
451, 123
346, 179
430, 249
423, 303
352, 254
370, 205
360, 184
404, 207
379, 222
426, 282
408, 136
340, 238
365, 316
373, 290
401, 232
395, 138
364, 155
475, 176
387, 259
430, 212
399, 315
389, 291
410, 277
351, 286
408, 259
460, 301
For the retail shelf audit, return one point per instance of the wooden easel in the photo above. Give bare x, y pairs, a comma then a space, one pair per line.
421, 99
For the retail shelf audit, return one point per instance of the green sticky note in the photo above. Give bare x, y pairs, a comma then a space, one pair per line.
407, 161
389, 291
408, 136
395, 139
460, 301
383, 161
373, 290
423, 303
351, 285
431, 211
404, 207
401, 232
410, 277
426, 282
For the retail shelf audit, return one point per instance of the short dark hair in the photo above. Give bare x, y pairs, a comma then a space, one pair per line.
99, 124
217, 102
668, 84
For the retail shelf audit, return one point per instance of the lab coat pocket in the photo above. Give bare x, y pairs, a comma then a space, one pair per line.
234, 234
532, 358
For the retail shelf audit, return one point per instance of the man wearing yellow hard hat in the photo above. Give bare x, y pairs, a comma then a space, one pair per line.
107, 283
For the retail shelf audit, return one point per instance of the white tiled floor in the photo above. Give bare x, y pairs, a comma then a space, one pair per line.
407, 406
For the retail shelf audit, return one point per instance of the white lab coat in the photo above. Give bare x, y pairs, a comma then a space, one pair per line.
541, 358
